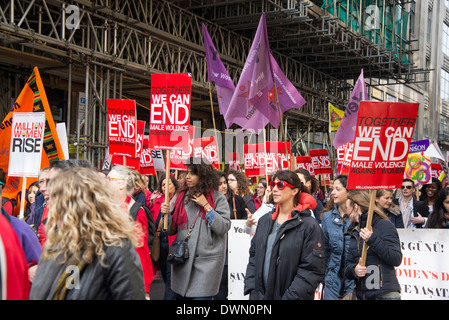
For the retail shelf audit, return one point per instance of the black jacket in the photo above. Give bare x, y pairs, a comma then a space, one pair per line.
297, 261
418, 207
383, 255
240, 206
122, 279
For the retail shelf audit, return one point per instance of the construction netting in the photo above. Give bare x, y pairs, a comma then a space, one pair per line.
382, 22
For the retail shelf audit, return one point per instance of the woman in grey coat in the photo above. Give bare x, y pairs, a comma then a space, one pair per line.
199, 276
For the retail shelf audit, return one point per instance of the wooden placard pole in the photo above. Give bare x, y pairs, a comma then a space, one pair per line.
372, 203
23, 197
167, 181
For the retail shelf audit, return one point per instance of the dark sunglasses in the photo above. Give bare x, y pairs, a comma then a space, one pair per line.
406, 187
281, 185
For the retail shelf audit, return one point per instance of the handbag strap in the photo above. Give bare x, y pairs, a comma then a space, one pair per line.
191, 227
235, 210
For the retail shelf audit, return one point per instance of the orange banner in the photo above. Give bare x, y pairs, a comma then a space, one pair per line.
31, 99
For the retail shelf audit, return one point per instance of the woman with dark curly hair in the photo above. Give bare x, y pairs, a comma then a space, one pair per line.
201, 208
239, 184
439, 219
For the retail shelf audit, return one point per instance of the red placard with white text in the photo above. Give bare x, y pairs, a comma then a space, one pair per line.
305, 163
344, 157
275, 158
206, 148
382, 140
122, 127
234, 161
321, 161
178, 158
170, 111
146, 159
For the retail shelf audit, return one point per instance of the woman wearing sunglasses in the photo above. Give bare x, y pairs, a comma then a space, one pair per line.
414, 213
286, 257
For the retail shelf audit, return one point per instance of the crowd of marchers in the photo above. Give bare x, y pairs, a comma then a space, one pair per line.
90, 234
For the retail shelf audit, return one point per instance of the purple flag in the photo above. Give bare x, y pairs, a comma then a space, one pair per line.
217, 73
253, 103
346, 130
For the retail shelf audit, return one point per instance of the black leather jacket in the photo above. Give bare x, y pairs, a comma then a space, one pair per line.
122, 279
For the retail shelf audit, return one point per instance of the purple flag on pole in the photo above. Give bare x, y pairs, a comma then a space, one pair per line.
253, 103
346, 130
217, 73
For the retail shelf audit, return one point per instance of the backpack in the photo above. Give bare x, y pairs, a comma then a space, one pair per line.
134, 210
13, 204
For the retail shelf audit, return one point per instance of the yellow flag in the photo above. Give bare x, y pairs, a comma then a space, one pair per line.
335, 116
32, 98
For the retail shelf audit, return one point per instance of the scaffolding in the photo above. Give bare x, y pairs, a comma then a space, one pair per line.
109, 49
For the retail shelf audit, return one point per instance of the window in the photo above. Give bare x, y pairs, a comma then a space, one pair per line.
444, 93
390, 98
445, 44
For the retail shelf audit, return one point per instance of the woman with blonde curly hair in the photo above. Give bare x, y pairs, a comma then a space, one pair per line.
89, 253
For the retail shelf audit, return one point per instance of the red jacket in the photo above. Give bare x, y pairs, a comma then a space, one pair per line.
11, 253
41, 229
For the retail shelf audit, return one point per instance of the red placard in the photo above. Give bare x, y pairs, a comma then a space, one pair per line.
133, 163
276, 158
170, 111
234, 161
382, 140
122, 127
206, 148
146, 159
178, 158
344, 157
305, 163
321, 161
139, 139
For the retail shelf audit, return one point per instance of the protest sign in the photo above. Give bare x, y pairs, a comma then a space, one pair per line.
423, 274
419, 146
305, 163
344, 157
234, 161
418, 168
179, 158
27, 137
259, 163
382, 141
170, 111
146, 159
238, 254
122, 127
206, 148
321, 161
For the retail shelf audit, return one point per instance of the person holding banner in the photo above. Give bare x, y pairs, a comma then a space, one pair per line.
164, 240
439, 219
122, 182
384, 200
286, 257
200, 207
335, 224
237, 207
239, 184
90, 236
376, 279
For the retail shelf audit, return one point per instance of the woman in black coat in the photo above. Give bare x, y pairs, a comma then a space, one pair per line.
286, 257
376, 280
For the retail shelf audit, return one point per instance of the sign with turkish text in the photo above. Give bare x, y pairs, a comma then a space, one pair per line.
382, 141
122, 127
27, 137
170, 111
